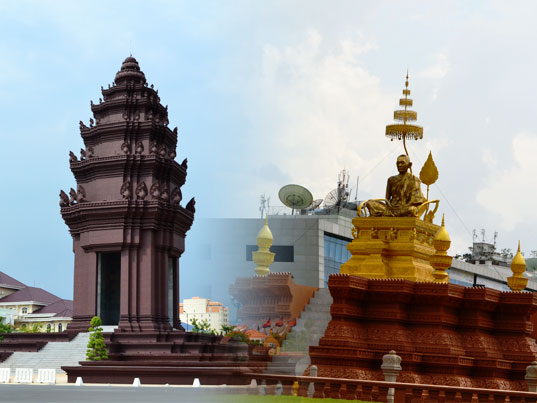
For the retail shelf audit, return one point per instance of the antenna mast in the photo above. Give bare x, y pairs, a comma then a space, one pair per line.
263, 205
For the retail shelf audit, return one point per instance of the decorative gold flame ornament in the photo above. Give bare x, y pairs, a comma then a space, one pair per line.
404, 130
517, 282
440, 261
428, 176
263, 257
429, 172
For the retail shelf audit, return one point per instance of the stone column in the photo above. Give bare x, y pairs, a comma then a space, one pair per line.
311, 387
391, 366
531, 376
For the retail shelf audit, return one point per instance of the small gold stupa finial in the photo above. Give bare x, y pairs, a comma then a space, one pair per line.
263, 257
441, 261
404, 131
517, 282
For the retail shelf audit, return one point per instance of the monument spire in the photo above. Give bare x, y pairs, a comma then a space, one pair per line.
126, 217
404, 130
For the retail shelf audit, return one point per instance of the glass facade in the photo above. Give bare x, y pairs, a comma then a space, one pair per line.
335, 253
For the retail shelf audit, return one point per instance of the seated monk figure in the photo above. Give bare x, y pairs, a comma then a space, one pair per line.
403, 194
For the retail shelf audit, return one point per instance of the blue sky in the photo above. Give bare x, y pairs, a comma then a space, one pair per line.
270, 93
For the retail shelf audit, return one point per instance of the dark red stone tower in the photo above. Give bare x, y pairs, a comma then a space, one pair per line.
126, 218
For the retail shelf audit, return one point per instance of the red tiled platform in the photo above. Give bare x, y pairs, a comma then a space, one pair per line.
446, 334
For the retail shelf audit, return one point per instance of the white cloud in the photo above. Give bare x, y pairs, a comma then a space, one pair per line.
439, 69
488, 158
317, 111
509, 193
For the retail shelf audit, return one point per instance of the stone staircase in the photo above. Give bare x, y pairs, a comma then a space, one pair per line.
310, 327
52, 355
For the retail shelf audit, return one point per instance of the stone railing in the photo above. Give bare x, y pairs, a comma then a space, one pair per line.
378, 391
387, 391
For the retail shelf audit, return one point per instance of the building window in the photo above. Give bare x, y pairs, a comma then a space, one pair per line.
24, 311
60, 327
335, 253
284, 253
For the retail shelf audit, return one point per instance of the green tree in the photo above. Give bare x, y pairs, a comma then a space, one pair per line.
226, 329
202, 326
96, 346
4, 328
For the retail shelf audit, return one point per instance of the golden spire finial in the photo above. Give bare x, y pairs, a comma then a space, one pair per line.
263, 257
404, 131
517, 282
441, 261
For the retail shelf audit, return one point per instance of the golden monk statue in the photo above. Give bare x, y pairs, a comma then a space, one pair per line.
403, 194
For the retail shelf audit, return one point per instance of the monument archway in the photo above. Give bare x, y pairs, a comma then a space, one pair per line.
108, 287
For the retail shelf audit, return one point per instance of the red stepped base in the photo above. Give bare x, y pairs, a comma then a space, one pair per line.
446, 334
175, 357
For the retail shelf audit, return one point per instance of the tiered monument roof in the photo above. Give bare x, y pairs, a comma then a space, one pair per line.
126, 214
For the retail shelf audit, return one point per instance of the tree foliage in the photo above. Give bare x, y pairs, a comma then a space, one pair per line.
96, 350
202, 326
36, 328
4, 328
226, 329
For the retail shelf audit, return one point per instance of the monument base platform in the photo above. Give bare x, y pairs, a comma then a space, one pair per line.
175, 357
446, 334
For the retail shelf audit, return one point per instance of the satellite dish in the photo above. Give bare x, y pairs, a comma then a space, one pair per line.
336, 198
295, 197
331, 199
316, 203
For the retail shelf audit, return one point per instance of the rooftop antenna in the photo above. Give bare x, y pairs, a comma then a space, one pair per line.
295, 196
263, 205
483, 234
357, 183
340, 195
474, 235
495, 237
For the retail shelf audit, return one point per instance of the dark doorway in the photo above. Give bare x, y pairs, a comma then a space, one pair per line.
109, 274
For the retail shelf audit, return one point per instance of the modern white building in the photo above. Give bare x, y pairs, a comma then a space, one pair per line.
310, 247
203, 309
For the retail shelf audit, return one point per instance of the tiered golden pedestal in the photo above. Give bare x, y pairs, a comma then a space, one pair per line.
392, 247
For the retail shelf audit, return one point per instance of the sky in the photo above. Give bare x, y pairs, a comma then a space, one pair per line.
270, 93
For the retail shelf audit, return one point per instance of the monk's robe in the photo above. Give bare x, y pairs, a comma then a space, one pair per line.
403, 196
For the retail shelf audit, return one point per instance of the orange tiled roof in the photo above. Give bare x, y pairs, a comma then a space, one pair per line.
254, 334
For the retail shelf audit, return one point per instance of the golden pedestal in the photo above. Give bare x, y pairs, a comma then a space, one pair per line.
391, 247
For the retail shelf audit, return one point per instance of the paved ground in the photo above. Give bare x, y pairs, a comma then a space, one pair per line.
89, 393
